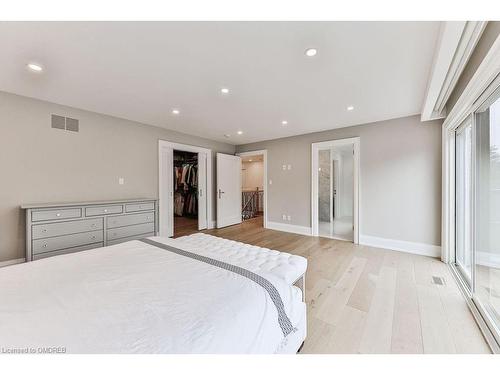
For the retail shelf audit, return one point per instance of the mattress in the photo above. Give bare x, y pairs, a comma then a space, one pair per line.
257, 259
138, 298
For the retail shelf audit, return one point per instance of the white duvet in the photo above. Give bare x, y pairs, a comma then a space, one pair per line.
137, 298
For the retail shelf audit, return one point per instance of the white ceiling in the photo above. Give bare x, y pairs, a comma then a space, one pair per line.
141, 71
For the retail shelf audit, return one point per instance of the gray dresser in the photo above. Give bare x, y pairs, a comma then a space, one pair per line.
54, 229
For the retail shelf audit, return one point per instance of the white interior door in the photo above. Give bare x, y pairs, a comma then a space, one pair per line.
166, 194
335, 188
202, 191
228, 190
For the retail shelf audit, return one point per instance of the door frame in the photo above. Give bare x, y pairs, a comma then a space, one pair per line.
265, 182
315, 147
165, 184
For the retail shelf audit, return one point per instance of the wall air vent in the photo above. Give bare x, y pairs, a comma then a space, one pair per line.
65, 123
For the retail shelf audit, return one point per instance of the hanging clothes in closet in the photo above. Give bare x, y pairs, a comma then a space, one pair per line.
186, 185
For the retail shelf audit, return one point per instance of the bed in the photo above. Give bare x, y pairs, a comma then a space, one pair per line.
194, 294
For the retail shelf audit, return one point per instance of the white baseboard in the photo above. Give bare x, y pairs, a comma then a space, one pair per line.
11, 262
398, 245
298, 229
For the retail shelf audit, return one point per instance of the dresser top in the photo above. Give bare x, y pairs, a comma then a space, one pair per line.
91, 203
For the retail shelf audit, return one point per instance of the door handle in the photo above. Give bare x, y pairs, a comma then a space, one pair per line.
220, 193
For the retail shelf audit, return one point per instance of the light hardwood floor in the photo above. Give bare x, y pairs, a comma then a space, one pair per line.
362, 299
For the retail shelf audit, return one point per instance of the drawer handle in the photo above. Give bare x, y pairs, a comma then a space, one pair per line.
58, 214
147, 218
92, 225
105, 210
44, 245
44, 230
93, 237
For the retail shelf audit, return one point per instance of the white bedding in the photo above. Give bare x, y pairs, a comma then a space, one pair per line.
254, 258
137, 298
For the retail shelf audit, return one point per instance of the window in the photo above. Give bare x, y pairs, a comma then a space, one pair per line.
487, 207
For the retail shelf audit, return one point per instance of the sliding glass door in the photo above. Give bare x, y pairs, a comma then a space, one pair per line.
487, 208
463, 200
477, 208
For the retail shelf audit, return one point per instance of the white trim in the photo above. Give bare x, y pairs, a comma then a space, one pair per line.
480, 81
478, 86
163, 192
456, 43
11, 262
265, 182
404, 246
482, 84
315, 147
482, 323
291, 228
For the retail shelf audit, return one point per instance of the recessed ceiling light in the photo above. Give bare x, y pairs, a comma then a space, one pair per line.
35, 67
310, 52
350, 108
175, 111
239, 132
284, 122
224, 90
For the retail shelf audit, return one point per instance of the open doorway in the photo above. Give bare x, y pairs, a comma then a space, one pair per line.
253, 187
185, 189
335, 189
185, 192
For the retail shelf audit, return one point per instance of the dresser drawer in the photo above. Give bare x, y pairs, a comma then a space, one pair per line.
67, 251
124, 220
125, 239
133, 207
103, 210
132, 230
64, 213
68, 227
71, 240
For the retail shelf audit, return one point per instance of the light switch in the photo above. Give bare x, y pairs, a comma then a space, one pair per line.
121, 181
284, 167
270, 182
289, 218
289, 166
284, 217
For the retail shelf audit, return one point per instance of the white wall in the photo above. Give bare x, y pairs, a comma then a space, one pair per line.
400, 181
252, 175
40, 164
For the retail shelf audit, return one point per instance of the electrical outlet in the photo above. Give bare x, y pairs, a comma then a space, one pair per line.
284, 217
121, 181
289, 167
289, 218
270, 182
284, 167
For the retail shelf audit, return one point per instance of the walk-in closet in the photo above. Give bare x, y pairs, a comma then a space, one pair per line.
185, 192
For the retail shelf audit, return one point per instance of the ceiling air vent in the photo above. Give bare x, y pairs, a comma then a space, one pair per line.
65, 123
